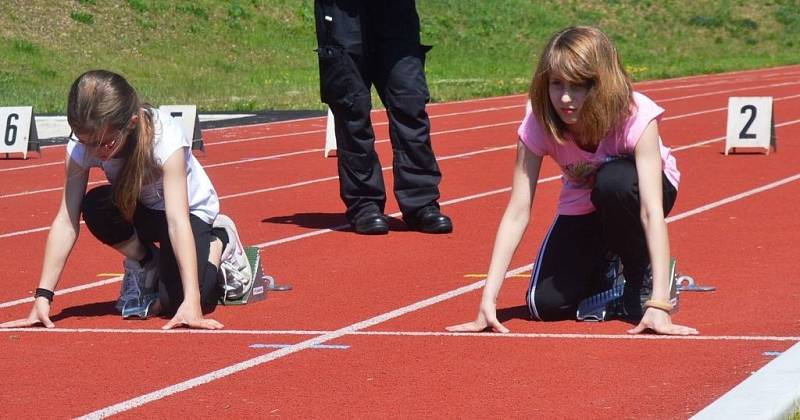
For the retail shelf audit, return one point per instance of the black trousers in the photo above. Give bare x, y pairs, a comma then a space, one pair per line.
376, 42
106, 223
573, 255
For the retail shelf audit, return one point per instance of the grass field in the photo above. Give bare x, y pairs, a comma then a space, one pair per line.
244, 55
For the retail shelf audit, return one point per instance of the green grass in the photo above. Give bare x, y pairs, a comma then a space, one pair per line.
259, 54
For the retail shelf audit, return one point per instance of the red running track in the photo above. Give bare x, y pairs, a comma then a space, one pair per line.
362, 333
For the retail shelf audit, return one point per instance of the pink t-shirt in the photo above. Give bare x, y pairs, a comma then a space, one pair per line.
579, 166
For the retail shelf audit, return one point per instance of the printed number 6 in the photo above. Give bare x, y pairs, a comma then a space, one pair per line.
11, 130
744, 134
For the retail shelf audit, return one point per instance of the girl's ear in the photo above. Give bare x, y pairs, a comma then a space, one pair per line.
134, 120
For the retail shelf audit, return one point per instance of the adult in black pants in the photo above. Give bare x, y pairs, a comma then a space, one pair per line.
377, 42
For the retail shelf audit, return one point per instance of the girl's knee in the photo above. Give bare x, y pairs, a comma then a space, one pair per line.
615, 181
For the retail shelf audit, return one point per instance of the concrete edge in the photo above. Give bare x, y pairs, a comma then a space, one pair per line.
772, 392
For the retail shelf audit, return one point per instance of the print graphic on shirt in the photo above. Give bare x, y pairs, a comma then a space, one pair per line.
580, 175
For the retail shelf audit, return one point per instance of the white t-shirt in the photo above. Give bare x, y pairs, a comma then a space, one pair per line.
169, 137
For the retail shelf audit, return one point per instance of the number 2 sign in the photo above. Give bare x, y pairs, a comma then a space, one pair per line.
750, 123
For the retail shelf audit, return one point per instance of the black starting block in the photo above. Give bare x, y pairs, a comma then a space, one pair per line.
261, 283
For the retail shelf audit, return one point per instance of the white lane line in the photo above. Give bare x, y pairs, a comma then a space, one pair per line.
294, 185
773, 392
221, 373
700, 95
256, 361
565, 336
378, 124
282, 155
65, 291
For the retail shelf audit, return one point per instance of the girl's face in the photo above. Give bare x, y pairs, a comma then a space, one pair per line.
103, 144
106, 141
567, 99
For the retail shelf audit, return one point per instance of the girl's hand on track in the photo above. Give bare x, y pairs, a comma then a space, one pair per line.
191, 317
660, 322
487, 317
40, 313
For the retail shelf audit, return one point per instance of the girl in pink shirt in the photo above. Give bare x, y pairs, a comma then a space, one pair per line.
618, 183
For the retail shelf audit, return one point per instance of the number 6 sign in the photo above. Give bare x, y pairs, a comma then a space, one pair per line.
17, 130
750, 123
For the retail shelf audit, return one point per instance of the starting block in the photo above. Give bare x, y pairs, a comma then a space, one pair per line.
608, 303
261, 283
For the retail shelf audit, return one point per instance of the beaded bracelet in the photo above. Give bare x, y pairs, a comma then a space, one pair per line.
47, 294
659, 304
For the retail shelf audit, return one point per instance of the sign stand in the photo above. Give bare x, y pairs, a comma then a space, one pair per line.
18, 131
751, 124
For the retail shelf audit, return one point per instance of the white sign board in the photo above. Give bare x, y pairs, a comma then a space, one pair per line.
750, 123
17, 129
187, 116
330, 135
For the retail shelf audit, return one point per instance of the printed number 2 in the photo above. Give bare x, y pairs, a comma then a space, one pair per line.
11, 130
744, 134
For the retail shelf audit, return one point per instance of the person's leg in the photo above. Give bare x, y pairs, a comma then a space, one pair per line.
345, 87
616, 197
106, 223
565, 270
170, 286
399, 78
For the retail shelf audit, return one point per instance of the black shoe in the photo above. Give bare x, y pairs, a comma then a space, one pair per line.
429, 220
371, 223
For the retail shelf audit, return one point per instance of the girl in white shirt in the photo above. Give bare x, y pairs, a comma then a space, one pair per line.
158, 192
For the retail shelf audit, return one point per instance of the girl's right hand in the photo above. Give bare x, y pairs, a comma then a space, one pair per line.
487, 317
40, 313
192, 317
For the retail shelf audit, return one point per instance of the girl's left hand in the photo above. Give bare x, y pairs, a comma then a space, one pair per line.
660, 322
192, 317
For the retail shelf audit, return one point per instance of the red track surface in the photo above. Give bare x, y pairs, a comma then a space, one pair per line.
277, 186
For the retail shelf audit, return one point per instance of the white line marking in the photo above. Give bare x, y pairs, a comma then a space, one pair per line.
65, 291
576, 336
247, 364
700, 95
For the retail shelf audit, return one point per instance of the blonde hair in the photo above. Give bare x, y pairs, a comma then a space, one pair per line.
583, 55
102, 100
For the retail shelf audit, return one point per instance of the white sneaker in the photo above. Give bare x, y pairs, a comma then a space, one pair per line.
137, 280
234, 266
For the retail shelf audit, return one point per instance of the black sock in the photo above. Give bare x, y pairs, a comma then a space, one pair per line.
148, 255
222, 234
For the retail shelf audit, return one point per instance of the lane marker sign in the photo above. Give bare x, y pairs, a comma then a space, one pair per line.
18, 131
187, 116
751, 123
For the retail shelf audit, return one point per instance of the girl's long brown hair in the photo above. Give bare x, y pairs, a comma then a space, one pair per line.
583, 55
102, 101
